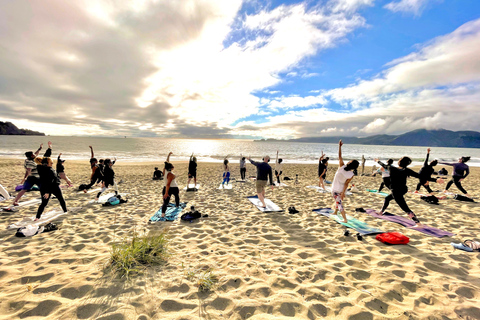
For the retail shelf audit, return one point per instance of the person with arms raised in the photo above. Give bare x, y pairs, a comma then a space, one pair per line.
264, 174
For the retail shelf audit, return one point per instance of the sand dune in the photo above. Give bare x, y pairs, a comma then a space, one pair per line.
270, 265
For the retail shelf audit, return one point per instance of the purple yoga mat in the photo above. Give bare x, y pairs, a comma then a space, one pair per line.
406, 222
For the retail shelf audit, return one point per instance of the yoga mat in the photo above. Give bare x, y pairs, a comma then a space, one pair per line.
46, 217
271, 207
225, 186
410, 224
192, 187
360, 226
104, 197
281, 184
90, 191
375, 191
171, 214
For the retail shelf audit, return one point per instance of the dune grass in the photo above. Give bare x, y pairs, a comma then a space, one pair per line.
132, 255
205, 280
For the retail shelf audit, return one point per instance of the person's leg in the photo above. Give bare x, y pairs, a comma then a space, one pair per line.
339, 206
58, 193
224, 178
459, 185
176, 192
115, 186
261, 192
189, 178
419, 184
427, 187
228, 177
386, 202
100, 193
449, 184
381, 186
278, 177
166, 201
42, 206
400, 200
19, 195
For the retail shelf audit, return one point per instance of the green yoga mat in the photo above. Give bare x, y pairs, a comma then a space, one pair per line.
379, 193
360, 226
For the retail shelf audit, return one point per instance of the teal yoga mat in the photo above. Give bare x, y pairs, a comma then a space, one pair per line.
171, 214
360, 226
376, 192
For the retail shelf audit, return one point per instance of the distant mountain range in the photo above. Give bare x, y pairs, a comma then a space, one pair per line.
8, 128
420, 137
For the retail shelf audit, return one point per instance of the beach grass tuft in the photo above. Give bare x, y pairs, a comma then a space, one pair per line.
133, 254
205, 280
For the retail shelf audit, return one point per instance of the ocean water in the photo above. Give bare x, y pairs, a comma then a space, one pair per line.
156, 149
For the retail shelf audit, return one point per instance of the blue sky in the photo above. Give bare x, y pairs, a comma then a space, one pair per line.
240, 69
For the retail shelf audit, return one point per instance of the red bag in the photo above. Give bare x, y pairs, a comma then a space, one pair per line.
392, 238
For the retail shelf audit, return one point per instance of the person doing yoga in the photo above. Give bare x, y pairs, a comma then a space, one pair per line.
243, 167
264, 174
226, 172
386, 176
31, 177
61, 170
108, 177
49, 185
171, 187
460, 172
426, 173
192, 170
399, 187
322, 170
342, 178
278, 168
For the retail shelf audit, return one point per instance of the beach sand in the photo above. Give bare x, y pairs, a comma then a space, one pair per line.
269, 265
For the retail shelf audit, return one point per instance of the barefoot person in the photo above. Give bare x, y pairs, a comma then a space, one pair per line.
460, 172
49, 185
243, 167
426, 173
226, 172
278, 168
264, 174
322, 171
31, 177
61, 170
192, 170
108, 177
385, 177
399, 187
342, 178
171, 187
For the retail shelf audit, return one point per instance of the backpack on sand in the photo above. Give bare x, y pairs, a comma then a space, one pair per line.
392, 238
430, 199
190, 216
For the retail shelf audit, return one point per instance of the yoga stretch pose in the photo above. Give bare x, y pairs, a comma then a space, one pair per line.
192, 170
322, 170
386, 176
264, 174
243, 167
97, 171
171, 188
31, 177
398, 188
278, 168
49, 184
108, 177
61, 170
226, 171
460, 172
342, 178
426, 173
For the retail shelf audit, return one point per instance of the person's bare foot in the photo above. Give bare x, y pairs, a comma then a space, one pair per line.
15, 204
416, 191
84, 190
36, 219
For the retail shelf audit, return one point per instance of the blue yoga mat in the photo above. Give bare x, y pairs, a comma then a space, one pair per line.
360, 226
171, 214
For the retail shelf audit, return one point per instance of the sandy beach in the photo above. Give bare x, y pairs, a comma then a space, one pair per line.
270, 265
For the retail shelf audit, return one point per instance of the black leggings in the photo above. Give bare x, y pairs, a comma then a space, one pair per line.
243, 171
54, 192
456, 180
171, 191
278, 177
426, 186
399, 199
387, 182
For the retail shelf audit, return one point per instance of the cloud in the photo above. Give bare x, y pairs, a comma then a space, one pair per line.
407, 6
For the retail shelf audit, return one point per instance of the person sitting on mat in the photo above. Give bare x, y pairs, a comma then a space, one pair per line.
49, 185
61, 170
192, 170
264, 174
460, 172
171, 187
226, 172
278, 168
322, 170
342, 178
157, 174
399, 187
31, 177
426, 173
243, 167
385, 176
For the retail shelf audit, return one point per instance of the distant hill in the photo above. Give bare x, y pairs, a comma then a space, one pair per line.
8, 128
420, 137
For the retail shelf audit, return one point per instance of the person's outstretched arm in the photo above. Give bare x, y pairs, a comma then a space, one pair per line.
38, 151
91, 152
48, 153
447, 163
426, 158
168, 157
340, 159
276, 159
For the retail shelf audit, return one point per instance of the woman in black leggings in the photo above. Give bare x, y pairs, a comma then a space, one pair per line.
426, 173
50, 185
399, 187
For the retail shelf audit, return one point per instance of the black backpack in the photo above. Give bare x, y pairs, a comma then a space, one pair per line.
82, 187
430, 199
190, 216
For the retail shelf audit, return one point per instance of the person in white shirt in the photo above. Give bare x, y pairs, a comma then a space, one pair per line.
343, 176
